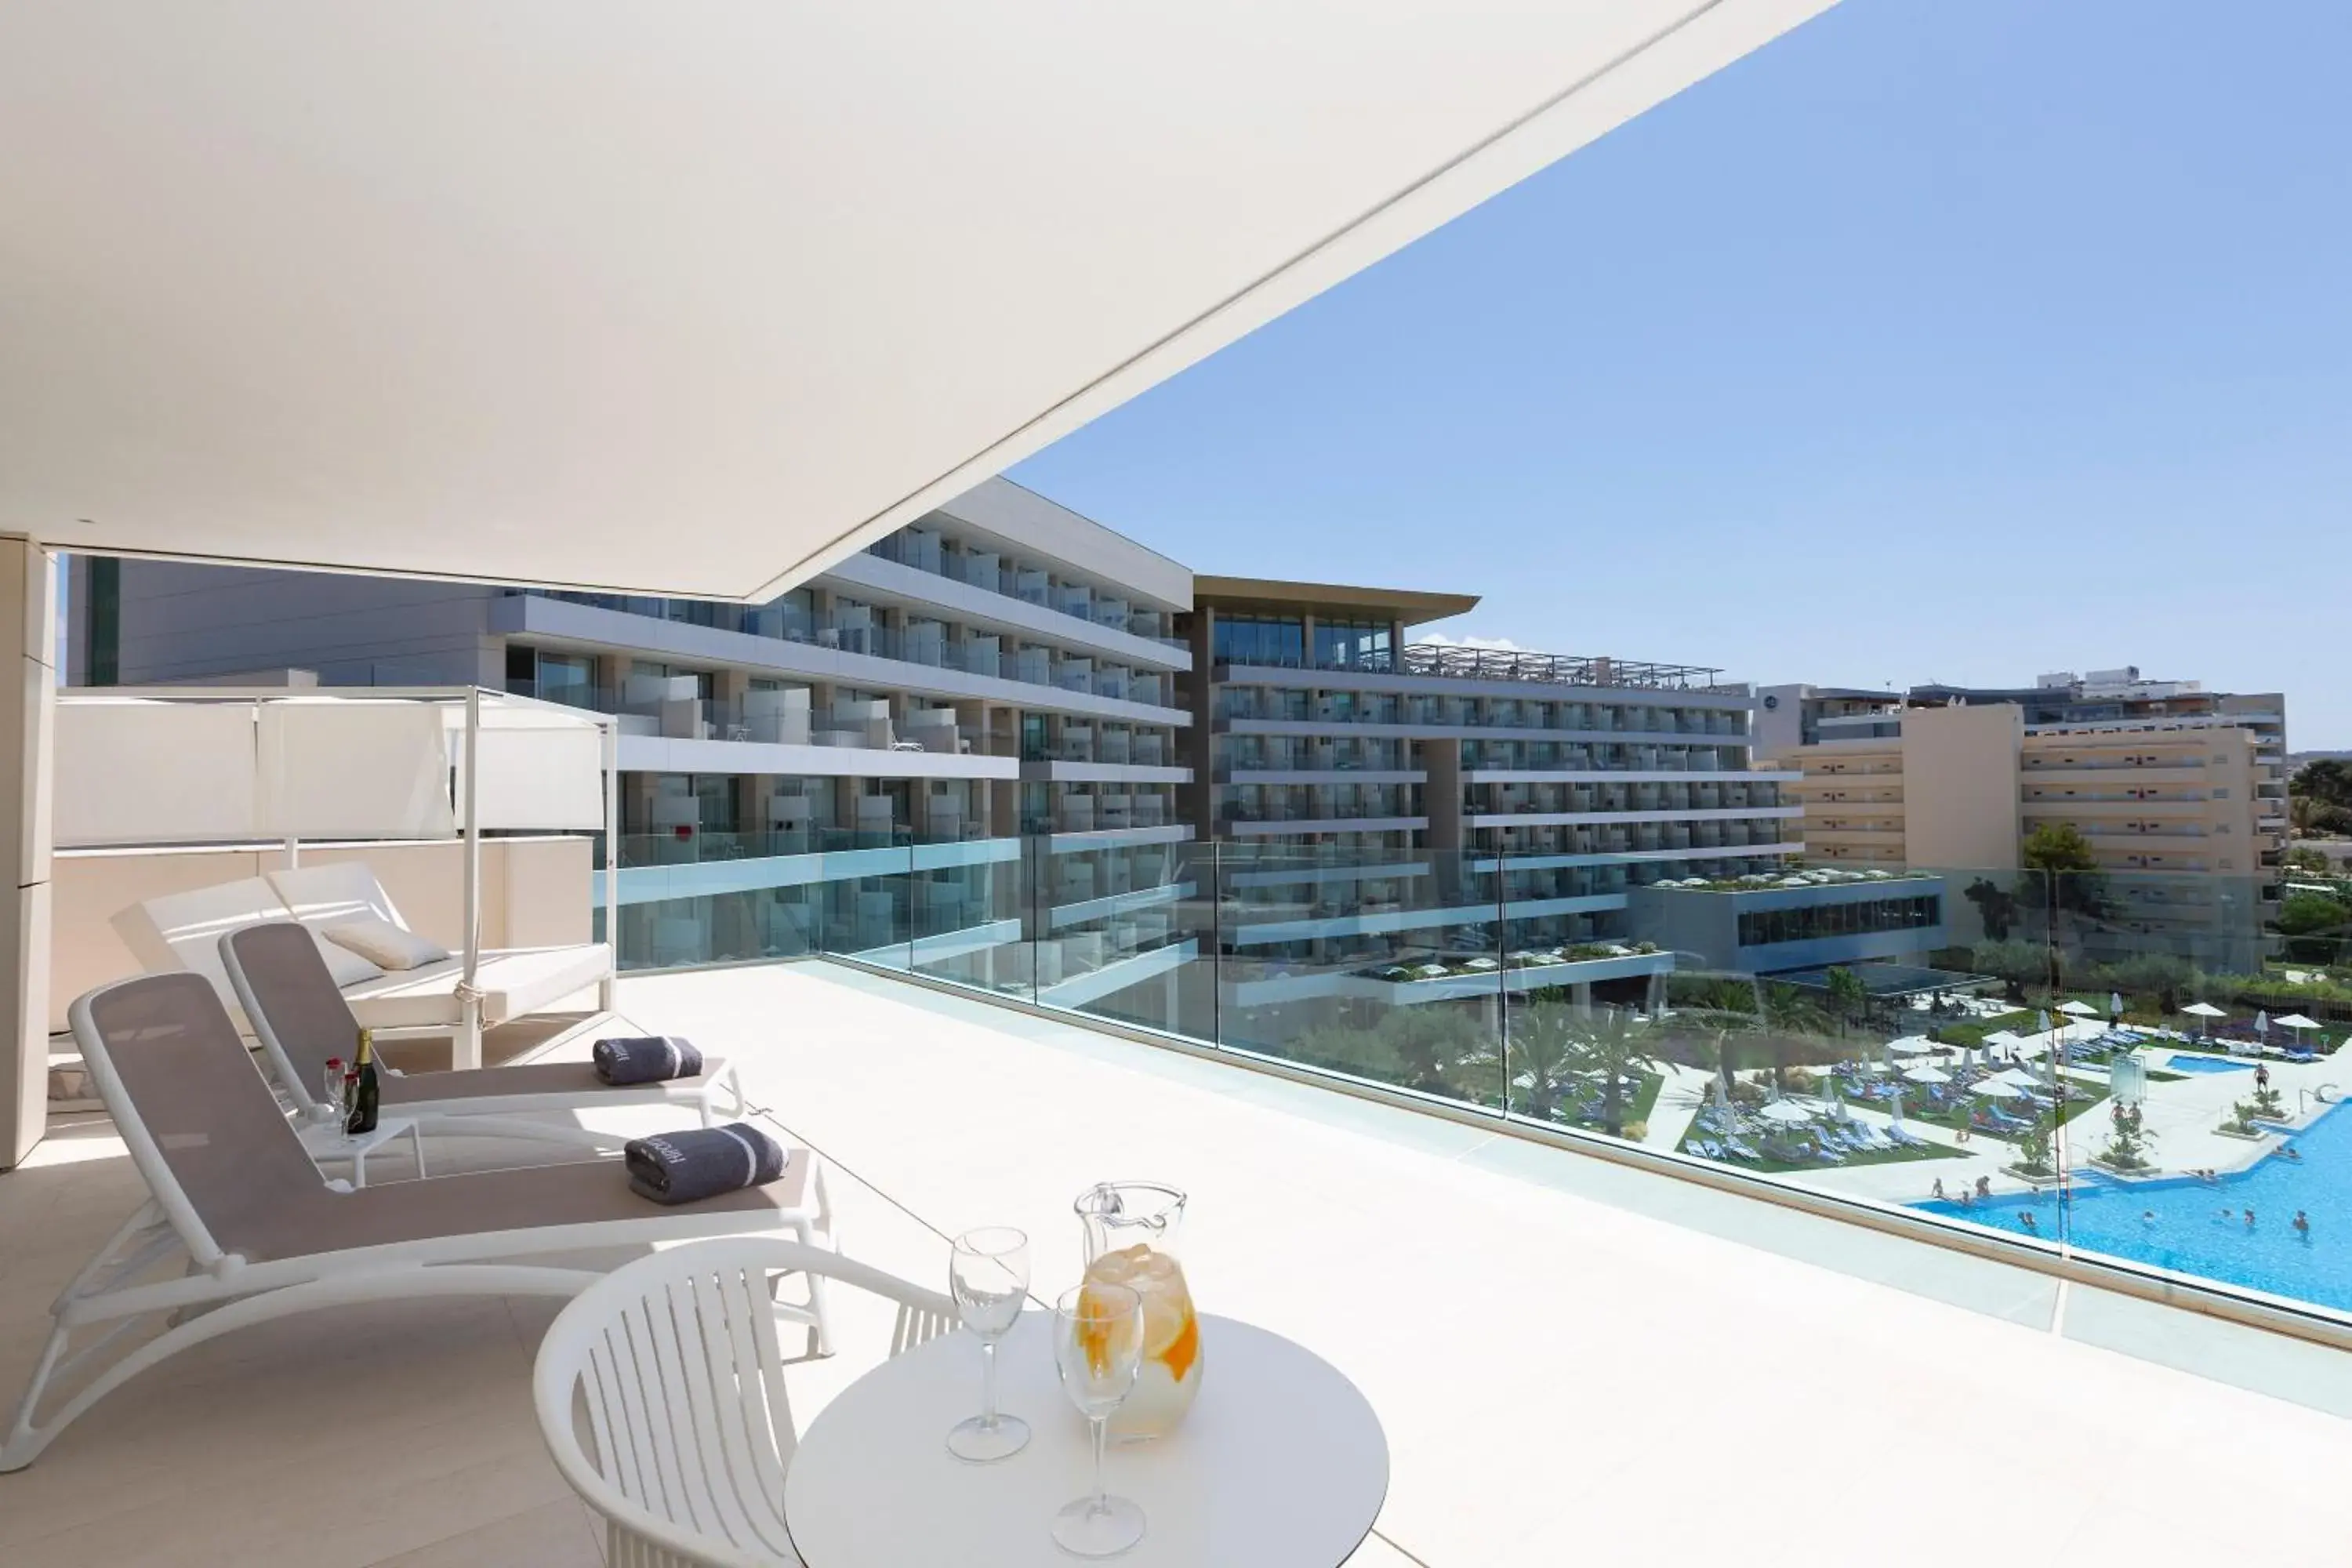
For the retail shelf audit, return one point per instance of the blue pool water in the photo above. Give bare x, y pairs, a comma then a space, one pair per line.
2188, 1235
2189, 1061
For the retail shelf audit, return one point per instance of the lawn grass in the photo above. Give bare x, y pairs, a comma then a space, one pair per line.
1971, 1033
1637, 1109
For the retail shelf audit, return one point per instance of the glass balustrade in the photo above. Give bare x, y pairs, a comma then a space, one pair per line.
2116, 1064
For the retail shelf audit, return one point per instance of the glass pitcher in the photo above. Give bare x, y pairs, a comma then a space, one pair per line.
1132, 1231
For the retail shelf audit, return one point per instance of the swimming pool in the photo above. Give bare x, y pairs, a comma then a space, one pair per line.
2189, 1234
2191, 1061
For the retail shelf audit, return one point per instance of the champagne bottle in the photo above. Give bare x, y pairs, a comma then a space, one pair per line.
365, 1096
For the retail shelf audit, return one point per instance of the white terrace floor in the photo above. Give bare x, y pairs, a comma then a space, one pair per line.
1574, 1362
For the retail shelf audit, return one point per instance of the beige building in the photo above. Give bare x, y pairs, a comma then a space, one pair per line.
2184, 812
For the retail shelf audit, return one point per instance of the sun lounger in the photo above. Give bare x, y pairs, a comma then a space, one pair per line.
1743, 1150
301, 1018
240, 1229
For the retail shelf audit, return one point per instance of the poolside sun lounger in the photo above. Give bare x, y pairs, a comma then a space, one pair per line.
301, 1018
240, 1229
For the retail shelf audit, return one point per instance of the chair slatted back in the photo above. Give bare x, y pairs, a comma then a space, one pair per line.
661, 1394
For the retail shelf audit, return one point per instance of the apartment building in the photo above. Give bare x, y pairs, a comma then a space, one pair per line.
988, 694
2180, 793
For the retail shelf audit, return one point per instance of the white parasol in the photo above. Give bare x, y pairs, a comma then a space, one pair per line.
1786, 1111
1912, 1045
2297, 1022
2080, 1009
1926, 1075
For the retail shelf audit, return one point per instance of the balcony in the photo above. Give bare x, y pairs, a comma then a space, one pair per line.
222, 1454
1341, 1054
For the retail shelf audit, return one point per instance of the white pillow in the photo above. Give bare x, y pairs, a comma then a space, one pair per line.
344, 966
379, 941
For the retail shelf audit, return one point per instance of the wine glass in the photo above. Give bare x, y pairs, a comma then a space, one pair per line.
989, 1276
1098, 1347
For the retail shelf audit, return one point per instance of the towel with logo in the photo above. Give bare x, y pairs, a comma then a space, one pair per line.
645, 1059
702, 1162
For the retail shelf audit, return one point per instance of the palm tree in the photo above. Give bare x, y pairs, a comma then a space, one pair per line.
2062, 860
1849, 997
1785, 1014
1612, 1043
1546, 1056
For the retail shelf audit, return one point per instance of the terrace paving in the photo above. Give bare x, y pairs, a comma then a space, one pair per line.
1573, 1360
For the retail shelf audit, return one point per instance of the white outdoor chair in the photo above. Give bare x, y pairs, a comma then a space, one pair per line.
240, 1229
661, 1395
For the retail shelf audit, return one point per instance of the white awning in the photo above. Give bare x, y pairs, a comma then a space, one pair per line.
698, 300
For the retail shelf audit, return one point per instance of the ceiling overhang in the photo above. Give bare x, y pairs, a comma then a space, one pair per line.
697, 301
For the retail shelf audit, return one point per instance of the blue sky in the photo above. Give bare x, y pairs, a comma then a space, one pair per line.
1937, 341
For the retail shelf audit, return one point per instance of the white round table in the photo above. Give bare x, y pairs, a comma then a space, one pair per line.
1281, 1463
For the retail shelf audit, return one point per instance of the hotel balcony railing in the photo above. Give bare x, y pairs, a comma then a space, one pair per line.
1028, 586
1450, 662
928, 645
1955, 1024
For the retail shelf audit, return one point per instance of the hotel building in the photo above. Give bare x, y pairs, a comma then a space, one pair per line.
1075, 745
988, 694
1386, 809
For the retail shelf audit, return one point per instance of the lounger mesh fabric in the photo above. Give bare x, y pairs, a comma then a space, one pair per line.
242, 1167
291, 986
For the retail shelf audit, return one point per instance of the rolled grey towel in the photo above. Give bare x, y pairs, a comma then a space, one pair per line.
681, 1167
645, 1059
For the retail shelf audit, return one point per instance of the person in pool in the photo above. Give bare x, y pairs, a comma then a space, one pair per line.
2294, 1154
2249, 1219
2303, 1225
2147, 1217
2027, 1220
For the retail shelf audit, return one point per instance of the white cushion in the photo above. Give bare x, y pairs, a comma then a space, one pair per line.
513, 982
380, 945
347, 964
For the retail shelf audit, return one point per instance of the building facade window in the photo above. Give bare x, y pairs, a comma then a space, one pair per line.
1347, 645
1277, 641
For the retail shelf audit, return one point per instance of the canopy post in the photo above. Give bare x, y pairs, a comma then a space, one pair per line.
468, 1047
608, 989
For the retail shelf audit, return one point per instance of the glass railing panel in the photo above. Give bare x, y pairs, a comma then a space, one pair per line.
1582, 1005
2137, 1068
1128, 932
1376, 963
689, 897
970, 908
